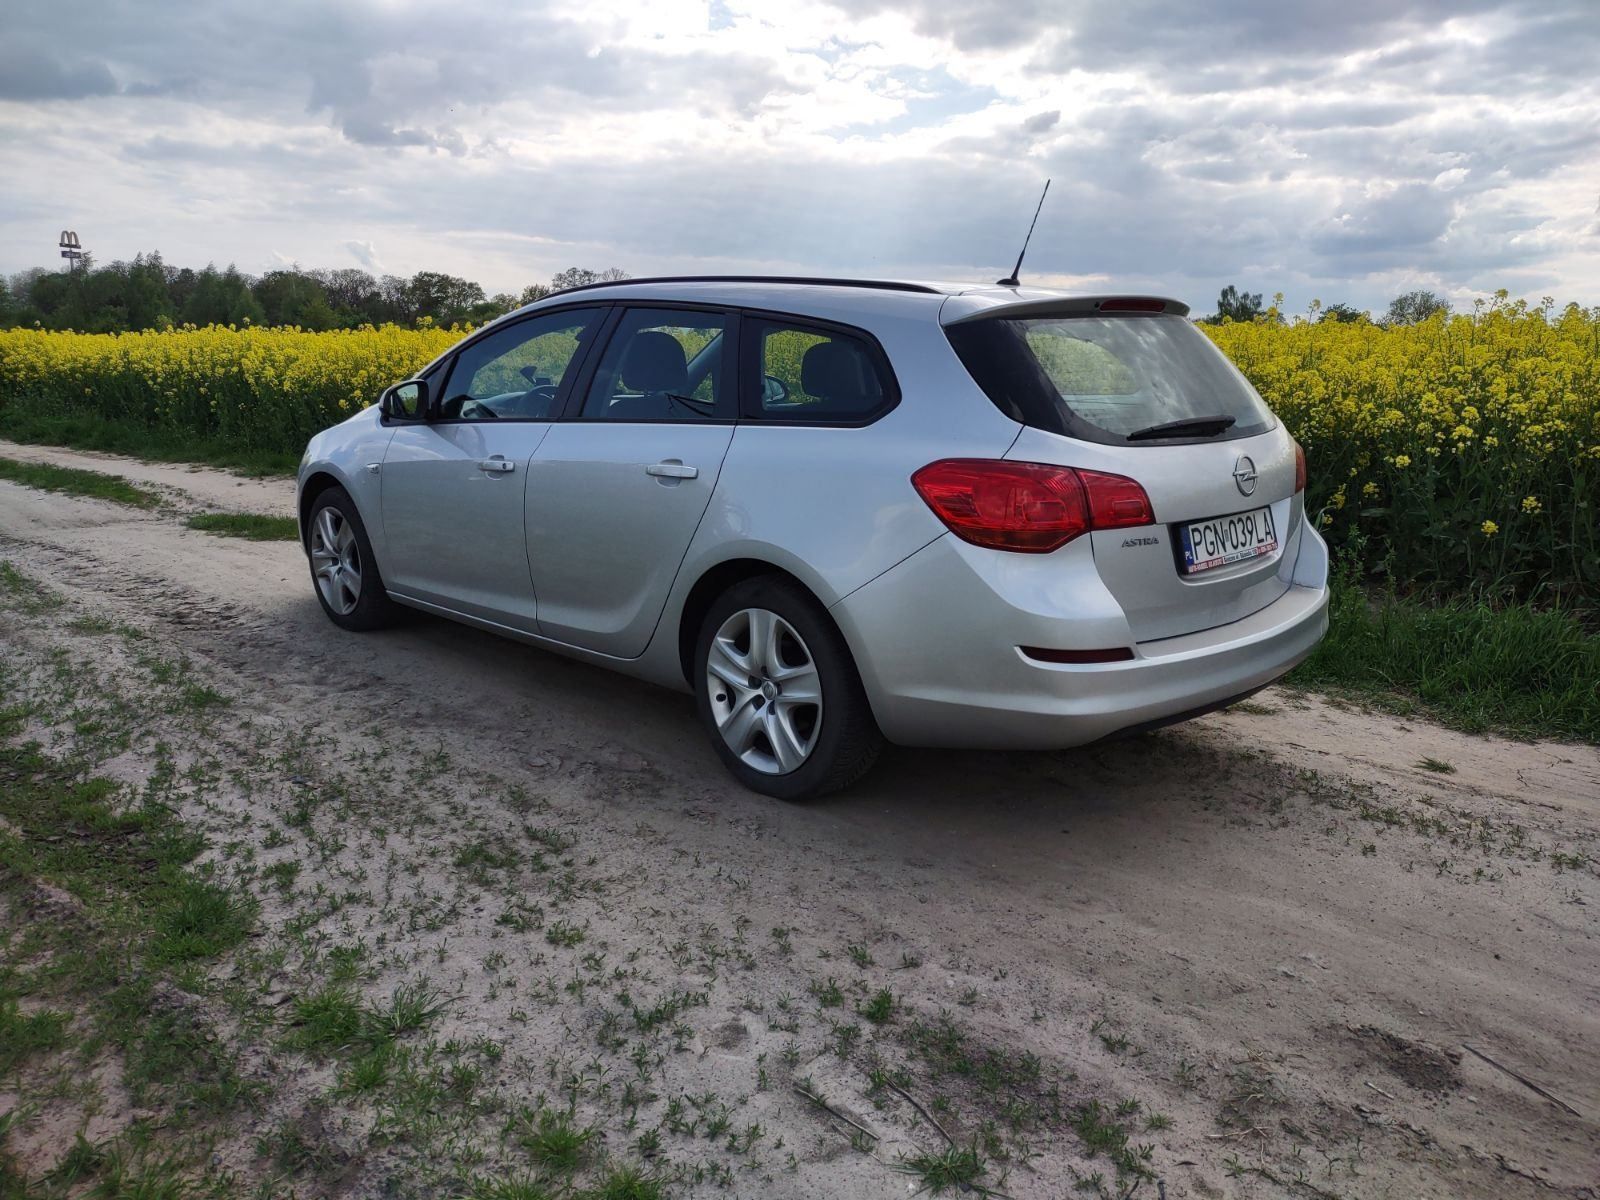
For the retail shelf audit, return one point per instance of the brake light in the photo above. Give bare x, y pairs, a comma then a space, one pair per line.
1299, 467
1132, 304
1031, 508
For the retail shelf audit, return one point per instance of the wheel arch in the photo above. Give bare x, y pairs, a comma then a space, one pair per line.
716, 580
314, 486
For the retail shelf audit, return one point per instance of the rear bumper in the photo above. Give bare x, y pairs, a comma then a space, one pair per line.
936, 639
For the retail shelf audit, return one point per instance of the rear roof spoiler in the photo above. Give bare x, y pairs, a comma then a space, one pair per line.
978, 306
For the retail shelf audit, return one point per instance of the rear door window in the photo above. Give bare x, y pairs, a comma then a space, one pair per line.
1110, 379
815, 373
663, 365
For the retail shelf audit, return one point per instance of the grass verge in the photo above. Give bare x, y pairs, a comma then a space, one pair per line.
255, 527
1514, 670
126, 437
77, 483
108, 919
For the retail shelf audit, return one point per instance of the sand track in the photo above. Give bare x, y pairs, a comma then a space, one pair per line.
1284, 888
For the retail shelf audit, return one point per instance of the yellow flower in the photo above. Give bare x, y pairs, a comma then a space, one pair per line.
1530, 504
1489, 528
1369, 489
1402, 461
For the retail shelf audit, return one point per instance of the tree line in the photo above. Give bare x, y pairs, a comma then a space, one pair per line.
149, 293
1409, 309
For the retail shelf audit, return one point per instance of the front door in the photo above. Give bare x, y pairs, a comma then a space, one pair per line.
615, 493
454, 487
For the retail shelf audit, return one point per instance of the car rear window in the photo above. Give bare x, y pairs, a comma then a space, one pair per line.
1103, 378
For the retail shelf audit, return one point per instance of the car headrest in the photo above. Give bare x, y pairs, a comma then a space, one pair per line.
655, 362
836, 371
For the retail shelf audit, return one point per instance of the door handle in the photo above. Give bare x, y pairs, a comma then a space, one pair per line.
496, 466
672, 470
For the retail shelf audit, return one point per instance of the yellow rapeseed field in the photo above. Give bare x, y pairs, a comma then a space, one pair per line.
257, 389
1461, 451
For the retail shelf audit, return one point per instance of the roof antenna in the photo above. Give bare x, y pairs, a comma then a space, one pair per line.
1011, 279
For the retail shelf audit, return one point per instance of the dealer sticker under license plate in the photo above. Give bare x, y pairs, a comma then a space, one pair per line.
1219, 541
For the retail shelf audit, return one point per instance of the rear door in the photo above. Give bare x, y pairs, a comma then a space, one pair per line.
1145, 395
616, 492
1145, 567
454, 486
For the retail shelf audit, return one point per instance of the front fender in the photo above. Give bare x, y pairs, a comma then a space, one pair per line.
347, 455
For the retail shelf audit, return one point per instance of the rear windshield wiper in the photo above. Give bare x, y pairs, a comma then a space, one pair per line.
1188, 427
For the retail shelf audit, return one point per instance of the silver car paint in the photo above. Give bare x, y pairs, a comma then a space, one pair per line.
604, 535
934, 623
453, 516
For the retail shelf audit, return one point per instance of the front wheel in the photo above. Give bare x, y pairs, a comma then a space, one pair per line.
342, 566
779, 693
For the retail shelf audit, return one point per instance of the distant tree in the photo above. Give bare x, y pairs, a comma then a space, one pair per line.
582, 277
222, 298
1234, 305
147, 293
497, 305
352, 293
1415, 306
293, 297
444, 298
395, 302
1344, 312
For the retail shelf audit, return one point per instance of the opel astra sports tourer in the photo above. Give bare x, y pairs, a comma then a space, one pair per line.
840, 511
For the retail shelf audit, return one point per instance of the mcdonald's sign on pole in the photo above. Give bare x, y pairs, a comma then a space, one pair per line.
71, 249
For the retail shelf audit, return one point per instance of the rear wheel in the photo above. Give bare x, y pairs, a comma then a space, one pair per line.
779, 693
342, 566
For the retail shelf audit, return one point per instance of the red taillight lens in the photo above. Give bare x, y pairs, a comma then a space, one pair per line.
1299, 468
1032, 508
1115, 501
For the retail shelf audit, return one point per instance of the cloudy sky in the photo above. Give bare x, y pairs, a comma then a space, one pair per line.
1347, 151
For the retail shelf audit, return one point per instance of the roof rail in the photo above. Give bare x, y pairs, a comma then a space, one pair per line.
884, 285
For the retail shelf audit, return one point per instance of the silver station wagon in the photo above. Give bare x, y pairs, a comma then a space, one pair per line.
840, 511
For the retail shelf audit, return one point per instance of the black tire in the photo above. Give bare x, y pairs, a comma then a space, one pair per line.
847, 740
372, 609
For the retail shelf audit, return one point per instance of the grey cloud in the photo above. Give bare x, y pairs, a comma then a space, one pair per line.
1191, 177
39, 75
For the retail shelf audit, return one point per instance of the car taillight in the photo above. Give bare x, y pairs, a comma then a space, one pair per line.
1032, 508
1299, 468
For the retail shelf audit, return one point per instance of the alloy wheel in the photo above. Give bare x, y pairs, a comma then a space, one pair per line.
765, 691
336, 560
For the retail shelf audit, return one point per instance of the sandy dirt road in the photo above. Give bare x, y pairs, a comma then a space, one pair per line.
1272, 926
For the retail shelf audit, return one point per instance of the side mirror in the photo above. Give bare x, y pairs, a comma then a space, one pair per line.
406, 401
774, 391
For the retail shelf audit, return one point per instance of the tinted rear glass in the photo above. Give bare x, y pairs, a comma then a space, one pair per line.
1102, 378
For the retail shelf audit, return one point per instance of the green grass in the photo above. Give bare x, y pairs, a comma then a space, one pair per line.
99, 967
953, 1169
1515, 669
125, 437
255, 527
77, 483
555, 1141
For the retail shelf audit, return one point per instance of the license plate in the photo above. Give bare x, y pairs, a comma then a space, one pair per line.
1221, 541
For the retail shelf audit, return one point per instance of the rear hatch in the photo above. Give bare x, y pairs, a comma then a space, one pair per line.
1126, 387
